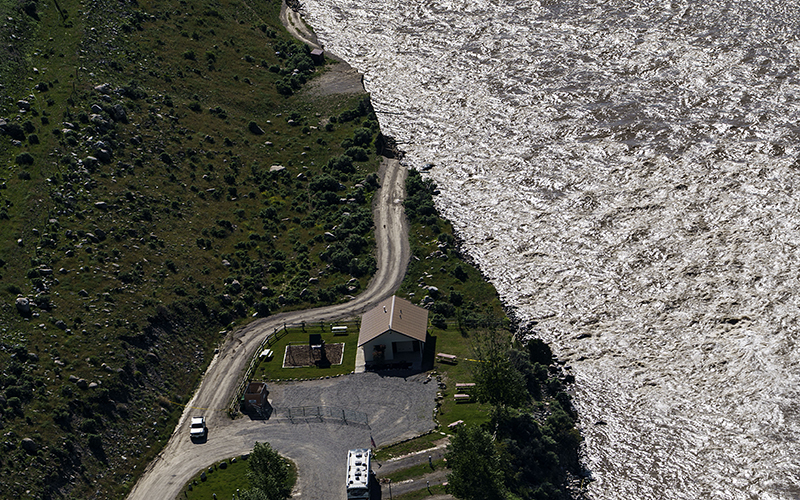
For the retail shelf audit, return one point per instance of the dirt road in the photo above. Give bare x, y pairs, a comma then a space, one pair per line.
181, 459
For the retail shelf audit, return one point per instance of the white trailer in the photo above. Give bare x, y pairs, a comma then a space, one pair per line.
358, 472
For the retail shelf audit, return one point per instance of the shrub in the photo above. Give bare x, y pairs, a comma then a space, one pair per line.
357, 153
362, 136
24, 159
190, 55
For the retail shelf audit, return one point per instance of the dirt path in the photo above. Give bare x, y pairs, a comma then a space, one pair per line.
181, 458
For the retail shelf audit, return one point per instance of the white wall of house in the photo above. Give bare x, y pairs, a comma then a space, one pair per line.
404, 344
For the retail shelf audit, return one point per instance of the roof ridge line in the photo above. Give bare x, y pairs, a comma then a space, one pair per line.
391, 312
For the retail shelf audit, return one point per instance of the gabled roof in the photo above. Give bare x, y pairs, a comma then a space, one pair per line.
396, 314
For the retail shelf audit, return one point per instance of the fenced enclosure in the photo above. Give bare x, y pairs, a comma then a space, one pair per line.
277, 340
299, 414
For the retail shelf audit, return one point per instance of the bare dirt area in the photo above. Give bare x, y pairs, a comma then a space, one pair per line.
338, 78
304, 355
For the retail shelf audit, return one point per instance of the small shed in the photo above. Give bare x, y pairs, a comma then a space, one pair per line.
318, 56
255, 396
394, 329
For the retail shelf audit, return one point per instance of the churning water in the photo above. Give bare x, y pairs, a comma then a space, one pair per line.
626, 173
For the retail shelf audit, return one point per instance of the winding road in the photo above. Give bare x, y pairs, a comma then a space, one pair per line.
181, 458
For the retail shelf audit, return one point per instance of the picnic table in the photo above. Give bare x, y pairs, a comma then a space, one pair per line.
446, 358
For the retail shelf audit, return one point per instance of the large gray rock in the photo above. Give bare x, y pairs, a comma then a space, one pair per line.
23, 305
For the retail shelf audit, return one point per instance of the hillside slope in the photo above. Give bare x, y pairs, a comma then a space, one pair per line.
167, 177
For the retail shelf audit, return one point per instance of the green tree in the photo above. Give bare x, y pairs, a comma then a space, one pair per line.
497, 381
269, 474
475, 470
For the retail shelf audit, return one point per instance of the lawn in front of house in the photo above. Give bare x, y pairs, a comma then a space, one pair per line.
272, 369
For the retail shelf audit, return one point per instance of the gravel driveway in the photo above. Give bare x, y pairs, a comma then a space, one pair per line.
396, 408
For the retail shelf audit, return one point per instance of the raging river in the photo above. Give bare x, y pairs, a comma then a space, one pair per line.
624, 172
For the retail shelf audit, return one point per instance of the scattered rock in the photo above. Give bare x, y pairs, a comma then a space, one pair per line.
101, 205
94, 385
277, 168
103, 88
120, 114
83, 293
329, 236
23, 306
236, 287
255, 129
82, 383
28, 445
73, 378
96, 109
23, 105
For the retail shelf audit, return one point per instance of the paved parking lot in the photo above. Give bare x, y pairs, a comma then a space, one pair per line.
396, 408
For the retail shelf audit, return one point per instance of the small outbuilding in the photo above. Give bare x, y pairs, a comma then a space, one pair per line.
255, 396
318, 56
394, 331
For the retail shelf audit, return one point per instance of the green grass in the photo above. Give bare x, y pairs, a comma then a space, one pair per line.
414, 471
272, 369
223, 482
434, 490
424, 442
138, 305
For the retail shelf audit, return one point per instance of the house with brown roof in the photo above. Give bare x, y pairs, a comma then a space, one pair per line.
394, 332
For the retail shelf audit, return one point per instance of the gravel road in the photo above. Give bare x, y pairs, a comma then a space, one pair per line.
181, 458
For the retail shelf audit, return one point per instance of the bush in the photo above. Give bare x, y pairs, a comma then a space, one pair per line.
362, 136
24, 159
190, 55
357, 153
342, 163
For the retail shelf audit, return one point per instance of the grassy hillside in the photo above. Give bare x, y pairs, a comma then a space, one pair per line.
166, 177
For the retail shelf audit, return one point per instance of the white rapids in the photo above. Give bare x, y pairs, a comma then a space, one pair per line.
624, 172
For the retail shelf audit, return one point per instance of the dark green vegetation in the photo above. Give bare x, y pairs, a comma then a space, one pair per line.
164, 178
519, 440
271, 476
265, 475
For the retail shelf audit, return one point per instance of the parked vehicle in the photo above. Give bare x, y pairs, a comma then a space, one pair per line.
358, 472
198, 428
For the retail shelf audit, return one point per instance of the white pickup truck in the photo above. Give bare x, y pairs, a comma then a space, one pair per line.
198, 428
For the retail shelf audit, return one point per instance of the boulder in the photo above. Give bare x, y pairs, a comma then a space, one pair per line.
104, 155
28, 445
23, 306
82, 383
255, 129
23, 105
103, 88
120, 114
96, 109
